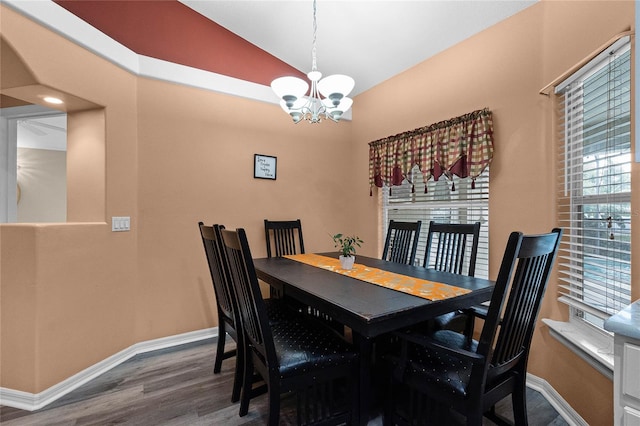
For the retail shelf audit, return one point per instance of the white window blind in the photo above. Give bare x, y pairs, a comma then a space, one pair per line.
594, 186
441, 204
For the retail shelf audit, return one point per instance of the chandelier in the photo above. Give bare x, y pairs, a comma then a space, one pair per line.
314, 108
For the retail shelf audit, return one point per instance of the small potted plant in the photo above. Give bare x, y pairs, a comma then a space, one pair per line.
347, 246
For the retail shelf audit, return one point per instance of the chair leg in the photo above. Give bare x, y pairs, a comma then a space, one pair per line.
245, 393
222, 334
475, 418
469, 327
389, 403
519, 401
386, 420
354, 391
474, 413
238, 377
274, 402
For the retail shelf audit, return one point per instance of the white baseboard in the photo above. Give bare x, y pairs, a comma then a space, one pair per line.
30, 402
567, 412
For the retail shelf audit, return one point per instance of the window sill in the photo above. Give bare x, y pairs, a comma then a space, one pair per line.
592, 346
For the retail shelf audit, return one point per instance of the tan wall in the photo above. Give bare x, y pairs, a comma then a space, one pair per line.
80, 277
74, 294
503, 68
18, 308
86, 176
197, 151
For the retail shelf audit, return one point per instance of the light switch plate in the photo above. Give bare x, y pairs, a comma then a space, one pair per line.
120, 223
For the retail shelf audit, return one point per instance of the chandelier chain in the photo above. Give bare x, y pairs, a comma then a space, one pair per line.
314, 66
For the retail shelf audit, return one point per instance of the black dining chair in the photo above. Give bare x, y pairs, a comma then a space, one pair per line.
453, 247
283, 237
227, 307
228, 315
401, 242
301, 354
468, 376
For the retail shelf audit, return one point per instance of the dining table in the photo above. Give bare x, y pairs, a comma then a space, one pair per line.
368, 310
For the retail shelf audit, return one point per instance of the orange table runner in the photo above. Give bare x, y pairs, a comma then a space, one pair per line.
431, 290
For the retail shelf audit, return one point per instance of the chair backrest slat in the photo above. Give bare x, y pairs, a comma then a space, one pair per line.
447, 247
401, 242
283, 237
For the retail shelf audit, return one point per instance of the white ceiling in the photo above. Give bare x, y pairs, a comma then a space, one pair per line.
45, 132
370, 41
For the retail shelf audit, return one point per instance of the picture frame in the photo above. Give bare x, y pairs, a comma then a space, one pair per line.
264, 166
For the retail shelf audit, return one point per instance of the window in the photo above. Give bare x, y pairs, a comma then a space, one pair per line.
441, 204
594, 194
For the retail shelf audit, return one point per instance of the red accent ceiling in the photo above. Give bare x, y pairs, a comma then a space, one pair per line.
171, 31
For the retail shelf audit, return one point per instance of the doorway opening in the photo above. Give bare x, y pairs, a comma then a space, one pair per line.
34, 165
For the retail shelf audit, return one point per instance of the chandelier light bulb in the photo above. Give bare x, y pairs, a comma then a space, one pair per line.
289, 88
296, 105
297, 116
345, 104
336, 84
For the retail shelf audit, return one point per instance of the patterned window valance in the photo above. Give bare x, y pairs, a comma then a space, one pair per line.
461, 146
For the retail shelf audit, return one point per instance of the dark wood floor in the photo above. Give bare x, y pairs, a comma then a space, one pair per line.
177, 386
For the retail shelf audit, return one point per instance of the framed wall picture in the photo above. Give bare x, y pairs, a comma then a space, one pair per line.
264, 166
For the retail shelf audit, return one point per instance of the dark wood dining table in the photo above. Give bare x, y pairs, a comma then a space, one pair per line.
369, 310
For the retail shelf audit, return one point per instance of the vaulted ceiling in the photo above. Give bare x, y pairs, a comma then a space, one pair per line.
260, 40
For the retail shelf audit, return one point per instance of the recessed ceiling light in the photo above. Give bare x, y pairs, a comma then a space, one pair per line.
53, 100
